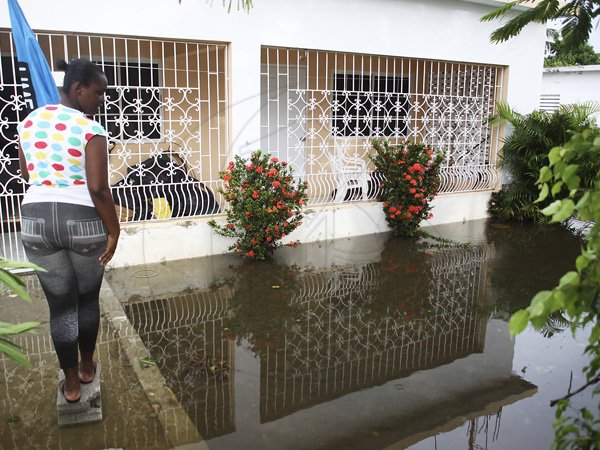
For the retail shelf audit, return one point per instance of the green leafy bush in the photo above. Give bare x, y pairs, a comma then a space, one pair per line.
578, 291
411, 181
265, 204
525, 152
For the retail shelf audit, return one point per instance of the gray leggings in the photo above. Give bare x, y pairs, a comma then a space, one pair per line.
66, 240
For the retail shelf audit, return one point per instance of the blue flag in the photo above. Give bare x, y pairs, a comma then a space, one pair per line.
39, 88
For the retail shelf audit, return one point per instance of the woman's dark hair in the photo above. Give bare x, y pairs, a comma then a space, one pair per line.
80, 70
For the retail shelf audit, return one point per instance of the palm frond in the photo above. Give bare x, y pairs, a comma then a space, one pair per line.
504, 113
245, 5
579, 114
525, 152
555, 324
501, 11
577, 26
544, 11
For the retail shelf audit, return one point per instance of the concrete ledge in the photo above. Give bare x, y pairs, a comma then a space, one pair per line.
178, 428
173, 239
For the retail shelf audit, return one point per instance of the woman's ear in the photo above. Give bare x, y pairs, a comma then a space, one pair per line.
77, 86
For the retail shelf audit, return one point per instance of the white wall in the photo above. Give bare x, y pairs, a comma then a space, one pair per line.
152, 242
574, 84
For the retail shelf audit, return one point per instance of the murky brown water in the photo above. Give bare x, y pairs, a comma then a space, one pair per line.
28, 418
367, 343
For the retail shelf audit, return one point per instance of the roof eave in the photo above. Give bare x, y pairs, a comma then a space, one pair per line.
497, 4
579, 69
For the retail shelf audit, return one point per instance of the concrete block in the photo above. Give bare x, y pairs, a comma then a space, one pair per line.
87, 409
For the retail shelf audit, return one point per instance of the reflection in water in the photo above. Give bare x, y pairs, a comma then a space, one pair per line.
524, 262
186, 334
324, 333
362, 326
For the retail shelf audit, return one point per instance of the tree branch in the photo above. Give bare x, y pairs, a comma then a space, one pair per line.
571, 394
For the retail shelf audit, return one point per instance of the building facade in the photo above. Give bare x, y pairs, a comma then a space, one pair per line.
191, 85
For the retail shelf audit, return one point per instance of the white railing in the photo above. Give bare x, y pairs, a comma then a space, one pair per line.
320, 111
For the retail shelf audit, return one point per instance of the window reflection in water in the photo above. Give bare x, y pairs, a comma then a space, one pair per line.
352, 328
187, 335
322, 333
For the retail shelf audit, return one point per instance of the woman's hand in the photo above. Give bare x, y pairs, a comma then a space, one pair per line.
109, 251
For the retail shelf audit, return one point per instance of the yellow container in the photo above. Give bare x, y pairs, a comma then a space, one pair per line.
161, 208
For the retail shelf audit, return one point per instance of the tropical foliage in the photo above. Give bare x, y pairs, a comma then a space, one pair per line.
577, 17
525, 152
411, 181
265, 204
558, 55
15, 284
578, 291
567, 178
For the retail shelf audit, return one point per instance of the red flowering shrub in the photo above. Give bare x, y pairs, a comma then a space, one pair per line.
411, 181
265, 204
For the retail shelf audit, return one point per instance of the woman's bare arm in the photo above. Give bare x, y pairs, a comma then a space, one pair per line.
23, 165
96, 169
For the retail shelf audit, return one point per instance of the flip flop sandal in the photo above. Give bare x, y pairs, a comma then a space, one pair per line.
61, 386
88, 382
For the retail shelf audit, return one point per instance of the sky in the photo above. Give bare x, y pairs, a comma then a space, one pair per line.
595, 38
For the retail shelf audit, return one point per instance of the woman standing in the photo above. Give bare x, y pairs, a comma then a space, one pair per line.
68, 221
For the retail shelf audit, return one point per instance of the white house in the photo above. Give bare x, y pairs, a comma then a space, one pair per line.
571, 84
191, 85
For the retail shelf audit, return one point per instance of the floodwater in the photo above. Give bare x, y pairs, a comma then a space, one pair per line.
364, 343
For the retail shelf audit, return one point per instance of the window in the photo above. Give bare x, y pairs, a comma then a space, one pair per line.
133, 98
370, 105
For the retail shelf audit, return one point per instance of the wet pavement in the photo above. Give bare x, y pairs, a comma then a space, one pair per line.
365, 343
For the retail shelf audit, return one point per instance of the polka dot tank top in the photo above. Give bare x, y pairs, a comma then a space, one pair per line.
53, 139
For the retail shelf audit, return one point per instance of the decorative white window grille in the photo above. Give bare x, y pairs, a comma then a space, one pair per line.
369, 105
12, 187
133, 98
166, 112
320, 110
